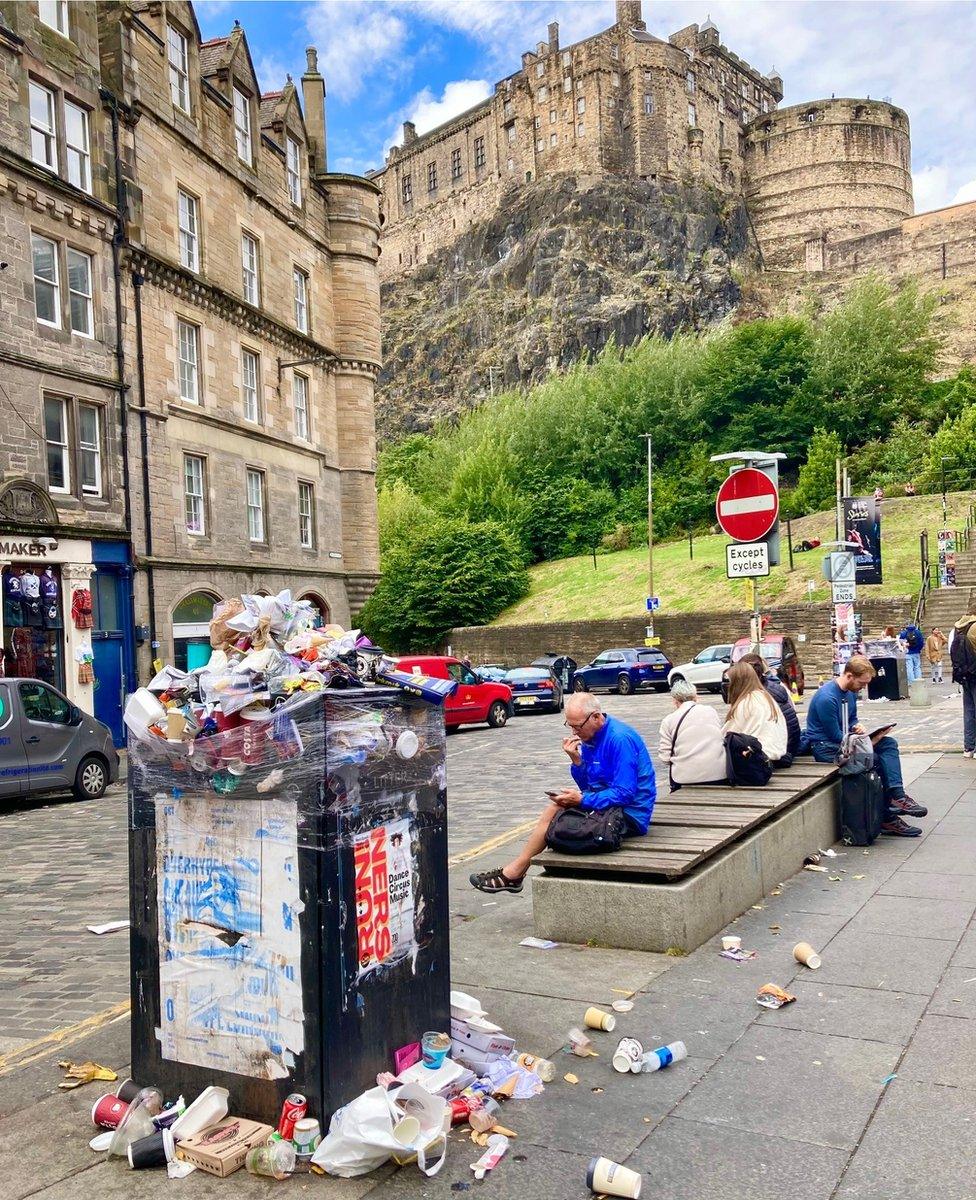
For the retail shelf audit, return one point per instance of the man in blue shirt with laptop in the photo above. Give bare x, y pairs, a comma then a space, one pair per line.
825, 732
611, 767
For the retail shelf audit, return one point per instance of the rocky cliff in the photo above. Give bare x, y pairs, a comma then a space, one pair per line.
563, 266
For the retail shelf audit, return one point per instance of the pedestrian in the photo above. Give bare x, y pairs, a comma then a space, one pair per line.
825, 732
612, 769
879, 493
753, 711
777, 689
914, 641
962, 656
935, 646
691, 740
909, 489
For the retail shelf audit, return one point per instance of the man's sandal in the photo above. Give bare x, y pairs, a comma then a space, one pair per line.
496, 881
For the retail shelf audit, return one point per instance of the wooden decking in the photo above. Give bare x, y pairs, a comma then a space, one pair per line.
693, 824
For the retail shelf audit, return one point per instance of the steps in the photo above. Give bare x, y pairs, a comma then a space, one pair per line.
945, 606
965, 569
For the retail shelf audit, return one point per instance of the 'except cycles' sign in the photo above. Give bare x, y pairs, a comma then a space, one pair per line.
746, 560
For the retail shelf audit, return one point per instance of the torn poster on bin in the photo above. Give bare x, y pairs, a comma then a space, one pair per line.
384, 894
230, 994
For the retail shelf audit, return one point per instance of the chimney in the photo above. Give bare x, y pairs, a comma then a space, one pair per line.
629, 14
313, 101
409, 132
553, 30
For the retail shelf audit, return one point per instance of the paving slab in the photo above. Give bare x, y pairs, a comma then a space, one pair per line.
956, 994
942, 853
770, 1083
889, 961
929, 885
538, 1024
918, 1146
685, 1160
965, 955
943, 1051
528, 1173
851, 1012
945, 920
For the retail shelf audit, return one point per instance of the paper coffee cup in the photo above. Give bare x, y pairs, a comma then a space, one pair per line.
175, 724
732, 942
627, 1057
804, 953
607, 1178
596, 1018
406, 1131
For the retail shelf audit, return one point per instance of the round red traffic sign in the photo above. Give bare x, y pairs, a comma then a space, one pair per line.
747, 505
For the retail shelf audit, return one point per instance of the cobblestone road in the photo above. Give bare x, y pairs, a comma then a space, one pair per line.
63, 865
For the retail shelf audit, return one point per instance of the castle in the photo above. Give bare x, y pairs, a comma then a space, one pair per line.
627, 103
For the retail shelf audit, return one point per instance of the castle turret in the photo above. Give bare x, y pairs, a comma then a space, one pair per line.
825, 171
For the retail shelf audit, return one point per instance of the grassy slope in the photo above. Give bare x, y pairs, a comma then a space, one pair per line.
570, 589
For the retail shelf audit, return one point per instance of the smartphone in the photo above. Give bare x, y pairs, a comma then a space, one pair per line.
551, 795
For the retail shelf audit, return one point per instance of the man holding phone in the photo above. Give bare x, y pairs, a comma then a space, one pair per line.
610, 766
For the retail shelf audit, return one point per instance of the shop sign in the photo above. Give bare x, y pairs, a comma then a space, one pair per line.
18, 547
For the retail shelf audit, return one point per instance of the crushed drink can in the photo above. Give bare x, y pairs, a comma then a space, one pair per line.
292, 1111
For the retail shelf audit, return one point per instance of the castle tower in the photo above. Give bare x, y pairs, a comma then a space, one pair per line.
826, 171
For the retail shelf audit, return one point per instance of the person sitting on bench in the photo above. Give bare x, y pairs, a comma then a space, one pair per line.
611, 768
825, 732
777, 689
753, 711
691, 739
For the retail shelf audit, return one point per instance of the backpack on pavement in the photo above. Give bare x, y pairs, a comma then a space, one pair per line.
962, 656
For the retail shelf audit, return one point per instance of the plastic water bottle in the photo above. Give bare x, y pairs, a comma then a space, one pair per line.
664, 1056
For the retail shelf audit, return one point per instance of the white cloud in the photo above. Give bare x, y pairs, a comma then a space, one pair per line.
271, 72
355, 40
931, 187
427, 111
966, 193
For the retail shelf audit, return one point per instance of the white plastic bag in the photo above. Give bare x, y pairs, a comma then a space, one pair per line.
404, 1123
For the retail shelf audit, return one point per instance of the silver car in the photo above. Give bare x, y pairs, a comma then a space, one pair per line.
47, 744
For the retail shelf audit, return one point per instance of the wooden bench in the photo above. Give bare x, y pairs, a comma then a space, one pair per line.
710, 853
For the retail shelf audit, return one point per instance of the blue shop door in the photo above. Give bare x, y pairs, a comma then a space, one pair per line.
109, 689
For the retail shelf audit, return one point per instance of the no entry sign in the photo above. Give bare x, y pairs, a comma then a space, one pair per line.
747, 505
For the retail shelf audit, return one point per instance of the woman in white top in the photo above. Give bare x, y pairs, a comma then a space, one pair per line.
691, 739
752, 710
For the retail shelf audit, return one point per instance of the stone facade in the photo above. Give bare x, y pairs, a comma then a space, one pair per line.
235, 312
620, 103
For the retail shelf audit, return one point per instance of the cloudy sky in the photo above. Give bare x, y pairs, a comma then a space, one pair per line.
386, 61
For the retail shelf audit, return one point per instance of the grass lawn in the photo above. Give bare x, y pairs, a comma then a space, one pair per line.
570, 589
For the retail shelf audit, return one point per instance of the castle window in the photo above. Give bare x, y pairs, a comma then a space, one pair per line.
54, 14
756, 94
179, 76
567, 84
406, 188
479, 152
859, 112
553, 139
507, 108
511, 164
552, 116
510, 133
540, 145
294, 172
611, 102
648, 104
542, 93
432, 177
537, 122
455, 164
744, 89
581, 104
692, 116
242, 125
765, 106
540, 69
721, 104
615, 79
579, 129
567, 58
648, 76
690, 82
809, 117
614, 50
721, 133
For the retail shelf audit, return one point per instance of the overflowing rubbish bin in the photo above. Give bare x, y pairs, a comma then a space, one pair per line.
289, 893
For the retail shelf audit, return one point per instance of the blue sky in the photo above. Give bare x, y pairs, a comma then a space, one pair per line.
386, 61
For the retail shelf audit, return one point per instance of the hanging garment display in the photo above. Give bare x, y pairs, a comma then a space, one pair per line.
81, 608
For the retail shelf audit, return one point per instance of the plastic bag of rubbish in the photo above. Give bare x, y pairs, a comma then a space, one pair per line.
402, 1123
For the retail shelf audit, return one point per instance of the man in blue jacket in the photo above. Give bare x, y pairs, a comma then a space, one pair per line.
610, 767
825, 731
914, 640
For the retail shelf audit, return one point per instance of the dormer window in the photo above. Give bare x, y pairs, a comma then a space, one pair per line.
179, 77
294, 169
242, 125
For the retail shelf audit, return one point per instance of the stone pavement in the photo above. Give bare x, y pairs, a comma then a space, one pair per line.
861, 1090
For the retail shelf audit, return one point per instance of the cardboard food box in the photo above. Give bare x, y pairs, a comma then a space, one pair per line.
485, 1042
222, 1148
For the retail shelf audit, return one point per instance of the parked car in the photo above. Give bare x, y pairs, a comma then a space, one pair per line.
624, 671
492, 672
474, 700
47, 744
563, 667
535, 689
705, 669
779, 654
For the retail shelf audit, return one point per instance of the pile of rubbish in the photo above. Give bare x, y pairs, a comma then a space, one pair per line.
233, 713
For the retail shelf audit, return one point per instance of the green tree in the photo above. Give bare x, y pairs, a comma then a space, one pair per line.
402, 515
454, 572
816, 487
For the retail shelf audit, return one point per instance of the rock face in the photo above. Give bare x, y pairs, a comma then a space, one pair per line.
562, 268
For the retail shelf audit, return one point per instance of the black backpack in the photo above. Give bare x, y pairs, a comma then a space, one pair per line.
586, 831
746, 764
962, 656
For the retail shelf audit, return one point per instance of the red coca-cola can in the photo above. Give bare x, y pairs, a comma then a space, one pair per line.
293, 1109
460, 1110
108, 1111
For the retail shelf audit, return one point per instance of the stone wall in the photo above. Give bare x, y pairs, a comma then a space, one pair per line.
682, 635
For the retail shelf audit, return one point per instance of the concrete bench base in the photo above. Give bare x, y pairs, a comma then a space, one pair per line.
633, 915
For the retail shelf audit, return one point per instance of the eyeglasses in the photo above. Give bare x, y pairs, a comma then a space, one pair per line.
581, 724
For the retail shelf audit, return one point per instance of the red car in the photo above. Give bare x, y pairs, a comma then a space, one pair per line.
475, 700
779, 655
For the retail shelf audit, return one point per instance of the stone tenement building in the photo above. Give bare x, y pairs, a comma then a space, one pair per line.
190, 320
627, 103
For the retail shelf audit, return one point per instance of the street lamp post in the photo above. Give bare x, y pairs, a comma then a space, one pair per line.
945, 505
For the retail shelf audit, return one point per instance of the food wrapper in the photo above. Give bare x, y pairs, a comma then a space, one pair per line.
771, 996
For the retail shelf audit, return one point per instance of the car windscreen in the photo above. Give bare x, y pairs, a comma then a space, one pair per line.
771, 651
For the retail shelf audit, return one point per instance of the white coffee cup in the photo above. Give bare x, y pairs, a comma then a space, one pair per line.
605, 1177
804, 953
406, 1131
627, 1057
732, 942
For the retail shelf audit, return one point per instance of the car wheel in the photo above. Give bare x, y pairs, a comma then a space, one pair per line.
91, 778
675, 679
497, 714
579, 685
624, 685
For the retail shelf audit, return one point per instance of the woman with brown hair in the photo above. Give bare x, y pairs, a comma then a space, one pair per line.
752, 710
